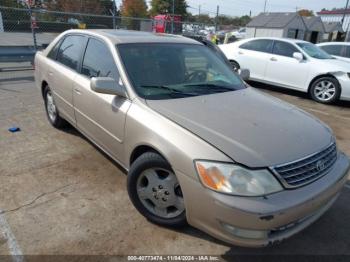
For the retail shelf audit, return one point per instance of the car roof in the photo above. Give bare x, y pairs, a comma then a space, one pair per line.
290, 40
118, 36
334, 43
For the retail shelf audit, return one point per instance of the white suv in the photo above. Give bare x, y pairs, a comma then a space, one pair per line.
292, 64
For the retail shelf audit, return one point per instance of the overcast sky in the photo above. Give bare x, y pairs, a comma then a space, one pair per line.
243, 7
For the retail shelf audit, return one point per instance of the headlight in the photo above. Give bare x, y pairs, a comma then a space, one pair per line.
236, 180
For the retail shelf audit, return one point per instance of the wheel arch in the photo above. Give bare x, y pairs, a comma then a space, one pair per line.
43, 85
320, 76
144, 148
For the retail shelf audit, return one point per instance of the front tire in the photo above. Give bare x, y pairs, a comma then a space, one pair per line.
155, 191
51, 110
325, 90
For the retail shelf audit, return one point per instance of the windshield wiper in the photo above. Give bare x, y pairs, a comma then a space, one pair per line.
172, 90
212, 87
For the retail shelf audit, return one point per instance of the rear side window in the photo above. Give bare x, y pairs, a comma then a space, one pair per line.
284, 49
98, 61
70, 51
333, 49
53, 52
258, 45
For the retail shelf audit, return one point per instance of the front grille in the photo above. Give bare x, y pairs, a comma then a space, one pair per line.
306, 170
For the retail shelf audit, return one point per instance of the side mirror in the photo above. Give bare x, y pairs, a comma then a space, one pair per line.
107, 85
244, 74
298, 56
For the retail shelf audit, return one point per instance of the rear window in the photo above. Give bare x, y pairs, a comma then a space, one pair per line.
262, 45
71, 50
53, 52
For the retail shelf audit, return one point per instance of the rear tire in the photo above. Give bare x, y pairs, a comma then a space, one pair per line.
235, 65
52, 111
155, 192
325, 90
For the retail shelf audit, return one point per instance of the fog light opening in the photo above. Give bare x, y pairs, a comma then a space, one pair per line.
245, 233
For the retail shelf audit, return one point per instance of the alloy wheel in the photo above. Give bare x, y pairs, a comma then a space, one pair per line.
50, 106
160, 193
325, 90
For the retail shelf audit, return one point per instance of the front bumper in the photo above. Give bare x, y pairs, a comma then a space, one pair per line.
344, 82
278, 215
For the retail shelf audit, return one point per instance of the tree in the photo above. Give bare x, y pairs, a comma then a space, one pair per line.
77, 6
134, 8
11, 3
166, 7
305, 12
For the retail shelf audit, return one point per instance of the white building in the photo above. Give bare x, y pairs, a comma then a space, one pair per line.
289, 25
336, 16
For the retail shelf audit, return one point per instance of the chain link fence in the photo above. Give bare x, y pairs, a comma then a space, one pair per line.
24, 30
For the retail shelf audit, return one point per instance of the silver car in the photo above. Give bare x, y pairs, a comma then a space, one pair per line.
200, 146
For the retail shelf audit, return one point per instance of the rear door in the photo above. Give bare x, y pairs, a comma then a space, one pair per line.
283, 69
254, 56
101, 117
63, 71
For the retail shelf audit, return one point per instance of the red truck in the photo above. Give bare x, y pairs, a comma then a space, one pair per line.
163, 24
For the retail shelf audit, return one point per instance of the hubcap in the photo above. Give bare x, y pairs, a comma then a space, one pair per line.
159, 191
325, 90
51, 108
234, 66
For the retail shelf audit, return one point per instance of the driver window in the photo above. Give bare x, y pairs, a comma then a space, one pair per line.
94, 66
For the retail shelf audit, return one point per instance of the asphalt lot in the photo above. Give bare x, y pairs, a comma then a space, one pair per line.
61, 195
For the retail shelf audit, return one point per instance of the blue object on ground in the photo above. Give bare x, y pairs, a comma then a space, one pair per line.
14, 129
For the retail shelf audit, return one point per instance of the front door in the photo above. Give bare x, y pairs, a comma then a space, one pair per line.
284, 70
101, 117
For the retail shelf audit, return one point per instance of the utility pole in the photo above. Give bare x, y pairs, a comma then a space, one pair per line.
216, 18
199, 10
346, 7
172, 19
343, 20
114, 13
265, 6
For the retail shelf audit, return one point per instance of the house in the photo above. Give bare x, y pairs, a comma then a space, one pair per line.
333, 31
289, 25
314, 29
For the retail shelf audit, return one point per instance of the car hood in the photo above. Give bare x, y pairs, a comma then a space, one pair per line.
252, 128
336, 64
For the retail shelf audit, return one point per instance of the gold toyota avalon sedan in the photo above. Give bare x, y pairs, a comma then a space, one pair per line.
200, 146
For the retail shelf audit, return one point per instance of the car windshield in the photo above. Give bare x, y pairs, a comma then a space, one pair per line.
167, 71
314, 51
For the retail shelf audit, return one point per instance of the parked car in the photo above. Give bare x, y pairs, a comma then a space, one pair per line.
292, 64
199, 146
340, 50
239, 34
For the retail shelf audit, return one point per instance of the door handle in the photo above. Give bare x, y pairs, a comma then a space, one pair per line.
50, 73
76, 90
240, 53
274, 59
